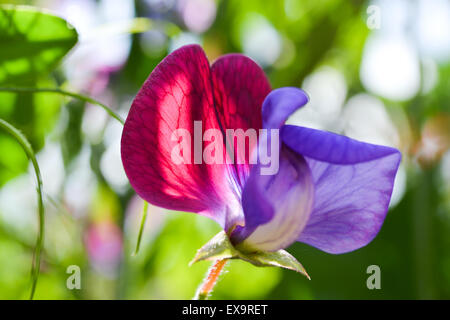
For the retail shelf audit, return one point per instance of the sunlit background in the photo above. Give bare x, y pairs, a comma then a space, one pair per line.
377, 71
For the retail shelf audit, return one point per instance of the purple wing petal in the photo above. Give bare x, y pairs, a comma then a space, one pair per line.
280, 104
353, 186
330, 147
276, 207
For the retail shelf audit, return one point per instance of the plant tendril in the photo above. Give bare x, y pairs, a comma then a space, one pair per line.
65, 93
26, 146
141, 228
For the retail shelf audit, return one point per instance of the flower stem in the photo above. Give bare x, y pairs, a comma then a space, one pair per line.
64, 93
210, 281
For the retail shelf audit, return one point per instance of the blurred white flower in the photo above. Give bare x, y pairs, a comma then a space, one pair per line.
80, 185
111, 162
260, 40
182, 39
366, 119
198, 15
95, 53
327, 90
390, 67
433, 28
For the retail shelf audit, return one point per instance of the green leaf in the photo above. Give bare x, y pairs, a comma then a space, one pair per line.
220, 247
33, 42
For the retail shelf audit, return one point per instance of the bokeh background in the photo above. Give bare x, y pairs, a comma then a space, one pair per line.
377, 71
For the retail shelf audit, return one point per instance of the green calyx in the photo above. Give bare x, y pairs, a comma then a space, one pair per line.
220, 248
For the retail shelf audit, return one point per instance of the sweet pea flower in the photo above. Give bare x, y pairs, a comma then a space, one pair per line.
330, 191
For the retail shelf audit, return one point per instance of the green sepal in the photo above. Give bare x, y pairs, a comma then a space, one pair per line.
280, 258
220, 247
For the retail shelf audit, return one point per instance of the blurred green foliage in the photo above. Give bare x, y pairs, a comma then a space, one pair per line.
36, 41
33, 42
93, 223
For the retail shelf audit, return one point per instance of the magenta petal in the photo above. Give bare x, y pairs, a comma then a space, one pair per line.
240, 87
177, 93
353, 186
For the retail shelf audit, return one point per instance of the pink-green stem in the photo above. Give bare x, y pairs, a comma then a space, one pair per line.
210, 281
